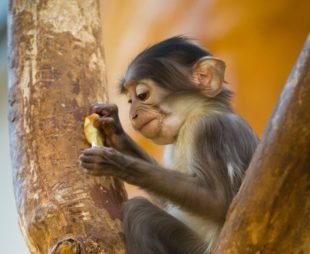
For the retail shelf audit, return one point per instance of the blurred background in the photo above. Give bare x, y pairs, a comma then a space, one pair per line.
259, 41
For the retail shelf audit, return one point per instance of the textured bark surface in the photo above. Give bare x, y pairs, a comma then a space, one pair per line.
271, 213
56, 72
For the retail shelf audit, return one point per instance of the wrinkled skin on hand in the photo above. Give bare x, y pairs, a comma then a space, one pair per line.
107, 161
101, 161
121, 150
109, 124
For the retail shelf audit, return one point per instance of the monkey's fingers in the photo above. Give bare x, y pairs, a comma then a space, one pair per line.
91, 159
108, 125
92, 168
104, 109
97, 169
98, 151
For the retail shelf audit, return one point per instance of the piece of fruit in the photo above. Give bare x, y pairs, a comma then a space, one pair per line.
92, 134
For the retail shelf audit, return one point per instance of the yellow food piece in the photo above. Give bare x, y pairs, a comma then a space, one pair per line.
92, 134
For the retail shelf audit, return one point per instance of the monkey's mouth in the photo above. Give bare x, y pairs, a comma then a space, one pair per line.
145, 124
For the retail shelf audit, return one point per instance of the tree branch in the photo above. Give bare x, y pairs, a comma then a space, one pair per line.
56, 71
271, 213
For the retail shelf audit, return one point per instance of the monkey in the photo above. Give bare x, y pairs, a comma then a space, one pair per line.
178, 98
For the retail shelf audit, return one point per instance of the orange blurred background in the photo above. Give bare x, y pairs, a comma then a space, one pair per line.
259, 41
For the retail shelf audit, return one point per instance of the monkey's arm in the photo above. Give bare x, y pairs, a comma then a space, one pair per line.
186, 191
127, 145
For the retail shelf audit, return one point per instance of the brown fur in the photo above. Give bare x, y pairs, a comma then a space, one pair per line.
205, 163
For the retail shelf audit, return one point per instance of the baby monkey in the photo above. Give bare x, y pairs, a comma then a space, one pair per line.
176, 98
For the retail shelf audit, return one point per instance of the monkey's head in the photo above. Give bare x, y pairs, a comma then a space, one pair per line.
164, 81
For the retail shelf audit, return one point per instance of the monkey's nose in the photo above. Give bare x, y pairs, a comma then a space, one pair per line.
134, 116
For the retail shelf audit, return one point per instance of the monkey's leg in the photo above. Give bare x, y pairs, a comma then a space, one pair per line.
150, 230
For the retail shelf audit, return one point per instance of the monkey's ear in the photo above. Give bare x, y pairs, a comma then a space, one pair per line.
208, 75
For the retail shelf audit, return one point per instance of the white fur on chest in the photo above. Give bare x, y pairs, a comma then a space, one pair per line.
177, 159
168, 157
207, 230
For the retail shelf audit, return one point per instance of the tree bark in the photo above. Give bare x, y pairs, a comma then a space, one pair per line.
56, 71
271, 213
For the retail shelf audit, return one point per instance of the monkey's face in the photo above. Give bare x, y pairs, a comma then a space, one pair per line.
151, 112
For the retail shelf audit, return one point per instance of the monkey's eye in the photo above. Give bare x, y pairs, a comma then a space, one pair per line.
143, 96
130, 101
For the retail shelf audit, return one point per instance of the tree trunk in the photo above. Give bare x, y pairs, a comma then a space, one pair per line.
56, 71
271, 213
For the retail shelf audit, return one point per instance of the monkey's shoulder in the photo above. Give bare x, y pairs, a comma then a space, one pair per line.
224, 142
223, 146
220, 132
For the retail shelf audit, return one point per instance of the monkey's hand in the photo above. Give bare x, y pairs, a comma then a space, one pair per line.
104, 161
109, 124
114, 134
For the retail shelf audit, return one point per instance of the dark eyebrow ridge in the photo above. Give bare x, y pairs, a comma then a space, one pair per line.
123, 84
